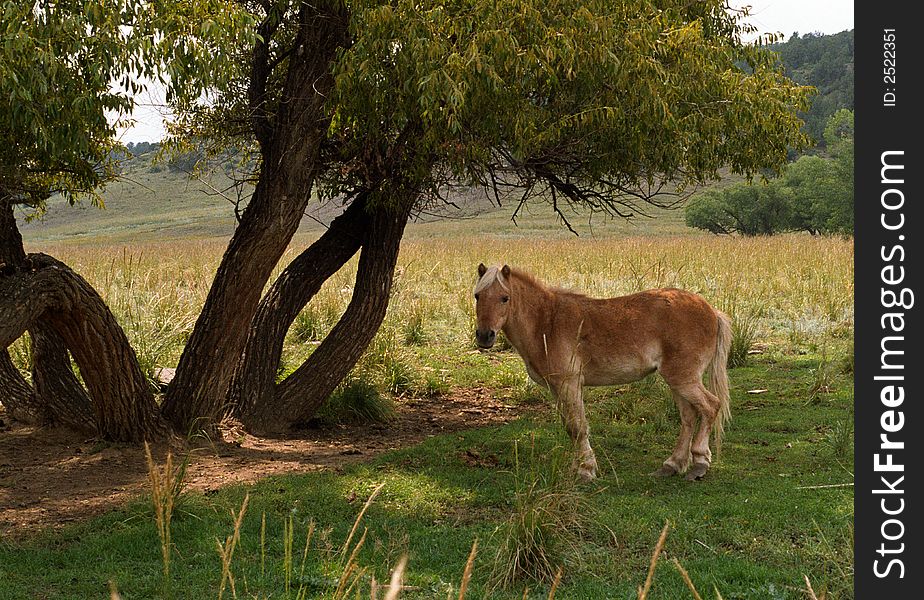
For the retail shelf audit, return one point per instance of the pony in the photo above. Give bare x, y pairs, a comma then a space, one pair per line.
568, 340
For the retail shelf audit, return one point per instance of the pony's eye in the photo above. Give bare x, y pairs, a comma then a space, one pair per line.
505, 299
476, 296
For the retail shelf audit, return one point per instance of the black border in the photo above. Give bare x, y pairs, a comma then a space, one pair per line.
880, 128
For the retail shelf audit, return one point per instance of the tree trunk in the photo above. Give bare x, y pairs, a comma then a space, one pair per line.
290, 144
16, 393
57, 390
49, 292
57, 396
297, 398
254, 378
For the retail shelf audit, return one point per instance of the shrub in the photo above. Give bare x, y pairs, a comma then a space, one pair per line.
357, 400
744, 333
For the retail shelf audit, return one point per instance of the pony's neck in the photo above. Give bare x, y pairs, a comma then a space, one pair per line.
530, 313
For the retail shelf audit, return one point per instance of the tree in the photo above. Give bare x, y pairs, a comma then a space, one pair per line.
762, 209
54, 138
839, 139
548, 101
814, 194
381, 106
64, 67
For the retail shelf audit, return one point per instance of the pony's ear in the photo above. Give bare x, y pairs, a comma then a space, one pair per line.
505, 271
482, 270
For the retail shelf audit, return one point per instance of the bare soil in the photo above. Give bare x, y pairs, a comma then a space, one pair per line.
50, 477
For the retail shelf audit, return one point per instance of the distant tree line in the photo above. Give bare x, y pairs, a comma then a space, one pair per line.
813, 194
825, 62
142, 147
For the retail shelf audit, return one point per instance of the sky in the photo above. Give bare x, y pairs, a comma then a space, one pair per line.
769, 16
804, 16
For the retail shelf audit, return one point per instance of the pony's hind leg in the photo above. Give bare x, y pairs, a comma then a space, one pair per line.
680, 458
707, 405
568, 392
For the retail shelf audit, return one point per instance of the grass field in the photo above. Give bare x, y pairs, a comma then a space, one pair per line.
777, 506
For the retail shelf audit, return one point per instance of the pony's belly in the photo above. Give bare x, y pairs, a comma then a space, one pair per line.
618, 375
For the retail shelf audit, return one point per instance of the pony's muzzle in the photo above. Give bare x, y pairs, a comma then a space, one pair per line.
485, 338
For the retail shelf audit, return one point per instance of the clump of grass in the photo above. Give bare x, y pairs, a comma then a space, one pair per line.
21, 354
155, 343
167, 486
415, 334
541, 539
840, 438
357, 400
435, 385
502, 344
398, 375
846, 364
822, 378
744, 334
313, 323
387, 361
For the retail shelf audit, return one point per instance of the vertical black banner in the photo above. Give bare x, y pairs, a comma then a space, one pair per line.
889, 369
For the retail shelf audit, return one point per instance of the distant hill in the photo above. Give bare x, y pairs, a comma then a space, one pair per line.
827, 63
154, 202
149, 200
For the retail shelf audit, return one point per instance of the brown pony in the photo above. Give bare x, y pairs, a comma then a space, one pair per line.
568, 340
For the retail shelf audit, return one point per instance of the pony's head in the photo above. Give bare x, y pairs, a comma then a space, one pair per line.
492, 303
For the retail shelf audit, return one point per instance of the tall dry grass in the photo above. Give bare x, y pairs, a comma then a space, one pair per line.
794, 287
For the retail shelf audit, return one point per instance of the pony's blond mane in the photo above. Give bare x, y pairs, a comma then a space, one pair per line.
495, 273
531, 279
490, 276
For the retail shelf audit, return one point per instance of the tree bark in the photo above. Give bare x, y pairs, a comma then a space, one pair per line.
57, 390
296, 399
48, 292
254, 379
290, 142
16, 393
57, 397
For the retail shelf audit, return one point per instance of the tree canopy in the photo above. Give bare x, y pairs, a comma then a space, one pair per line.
814, 194
69, 73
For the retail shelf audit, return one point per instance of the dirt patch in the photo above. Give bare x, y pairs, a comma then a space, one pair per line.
52, 477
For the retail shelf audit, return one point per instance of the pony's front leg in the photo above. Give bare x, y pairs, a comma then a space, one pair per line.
569, 393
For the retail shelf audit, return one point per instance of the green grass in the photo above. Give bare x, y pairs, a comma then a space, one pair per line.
752, 528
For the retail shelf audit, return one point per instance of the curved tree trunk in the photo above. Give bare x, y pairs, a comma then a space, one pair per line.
254, 380
16, 393
297, 398
290, 142
63, 398
57, 396
48, 292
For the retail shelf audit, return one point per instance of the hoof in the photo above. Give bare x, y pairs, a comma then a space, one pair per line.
665, 471
586, 475
697, 471
586, 467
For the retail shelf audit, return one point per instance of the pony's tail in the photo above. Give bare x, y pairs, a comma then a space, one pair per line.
718, 377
